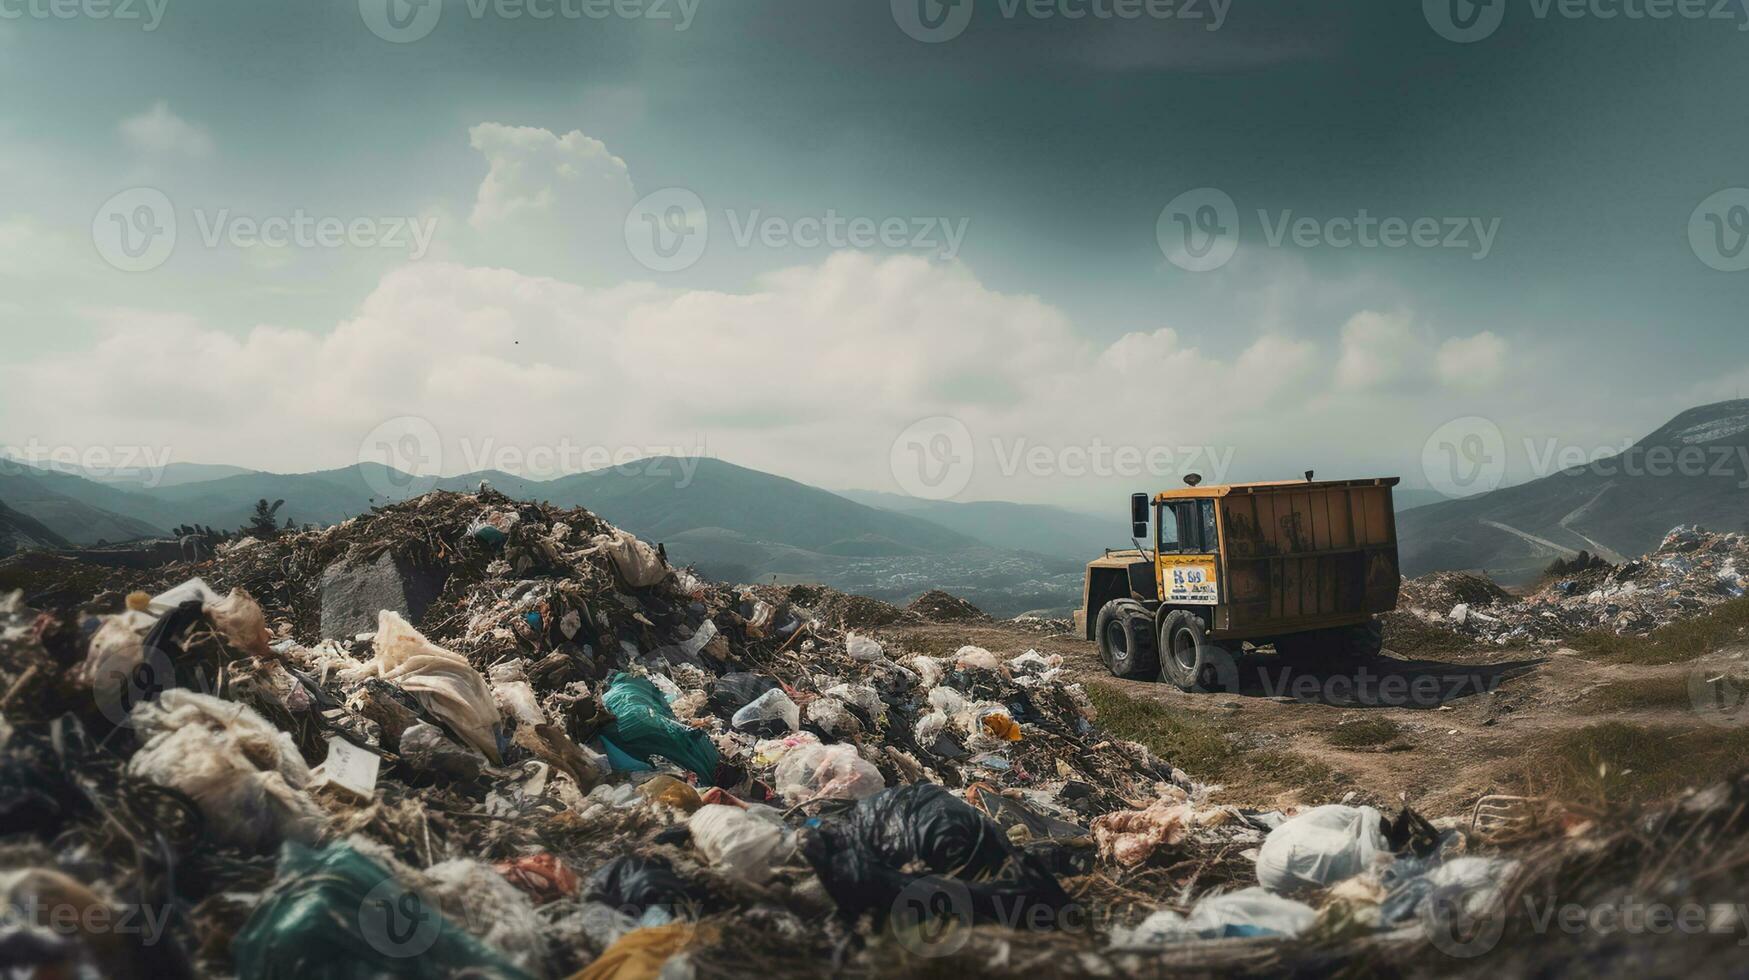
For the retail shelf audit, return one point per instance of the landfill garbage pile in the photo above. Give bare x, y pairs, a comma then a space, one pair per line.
1691, 571
548, 753
544, 749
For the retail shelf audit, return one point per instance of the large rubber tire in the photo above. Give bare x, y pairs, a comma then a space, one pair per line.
1125, 631
1187, 659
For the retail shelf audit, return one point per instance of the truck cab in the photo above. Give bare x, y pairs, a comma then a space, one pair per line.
1302, 565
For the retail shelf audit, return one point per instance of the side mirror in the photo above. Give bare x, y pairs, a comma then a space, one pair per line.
1138, 515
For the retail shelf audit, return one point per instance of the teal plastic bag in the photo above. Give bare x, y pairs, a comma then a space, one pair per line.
644, 726
337, 915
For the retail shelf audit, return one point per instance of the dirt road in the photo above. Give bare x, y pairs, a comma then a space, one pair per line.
1441, 728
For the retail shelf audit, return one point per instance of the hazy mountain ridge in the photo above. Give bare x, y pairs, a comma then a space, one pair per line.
1692, 470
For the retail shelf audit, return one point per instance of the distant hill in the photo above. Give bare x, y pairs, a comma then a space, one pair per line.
79, 510
1037, 528
21, 532
1618, 507
172, 475
657, 500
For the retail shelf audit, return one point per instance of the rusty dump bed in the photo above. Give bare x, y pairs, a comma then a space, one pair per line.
1297, 555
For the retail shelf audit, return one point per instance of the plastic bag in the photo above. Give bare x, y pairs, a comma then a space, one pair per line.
443, 682
637, 562
644, 726
735, 691
863, 696
497, 912
832, 717
639, 953
247, 776
770, 751
1320, 847
634, 884
772, 706
871, 858
744, 843
865, 648
970, 657
822, 771
334, 913
1247, 912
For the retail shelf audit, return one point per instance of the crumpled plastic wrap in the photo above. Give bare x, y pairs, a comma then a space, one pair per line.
444, 683
246, 775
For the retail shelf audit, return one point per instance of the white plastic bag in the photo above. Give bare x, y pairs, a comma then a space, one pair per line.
742, 843
444, 683
247, 776
1320, 847
772, 704
835, 771
637, 562
1247, 912
865, 648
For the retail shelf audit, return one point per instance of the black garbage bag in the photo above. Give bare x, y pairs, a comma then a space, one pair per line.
959, 862
732, 692
632, 884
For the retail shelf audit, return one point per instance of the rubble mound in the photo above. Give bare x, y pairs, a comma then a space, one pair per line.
937, 606
1440, 591
1691, 571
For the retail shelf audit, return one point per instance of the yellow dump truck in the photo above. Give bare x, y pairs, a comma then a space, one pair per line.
1303, 565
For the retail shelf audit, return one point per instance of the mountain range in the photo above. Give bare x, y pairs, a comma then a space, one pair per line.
739, 524
1692, 470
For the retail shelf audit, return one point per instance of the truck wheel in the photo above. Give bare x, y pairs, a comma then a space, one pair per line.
1364, 640
1188, 660
1126, 639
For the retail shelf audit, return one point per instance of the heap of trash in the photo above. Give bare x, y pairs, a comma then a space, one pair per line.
1691, 571
465, 734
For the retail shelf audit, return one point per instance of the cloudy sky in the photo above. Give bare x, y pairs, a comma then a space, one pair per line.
992, 249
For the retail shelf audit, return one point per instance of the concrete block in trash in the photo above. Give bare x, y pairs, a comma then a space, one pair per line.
354, 591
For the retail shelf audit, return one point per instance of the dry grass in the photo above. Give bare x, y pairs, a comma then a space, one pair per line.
1365, 733
1617, 764
1202, 748
1677, 642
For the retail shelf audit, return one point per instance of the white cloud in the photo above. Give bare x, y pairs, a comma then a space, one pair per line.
160, 132
1378, 349
1472, 363
549, 204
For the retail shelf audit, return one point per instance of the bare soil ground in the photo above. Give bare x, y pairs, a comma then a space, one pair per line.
1434, 721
